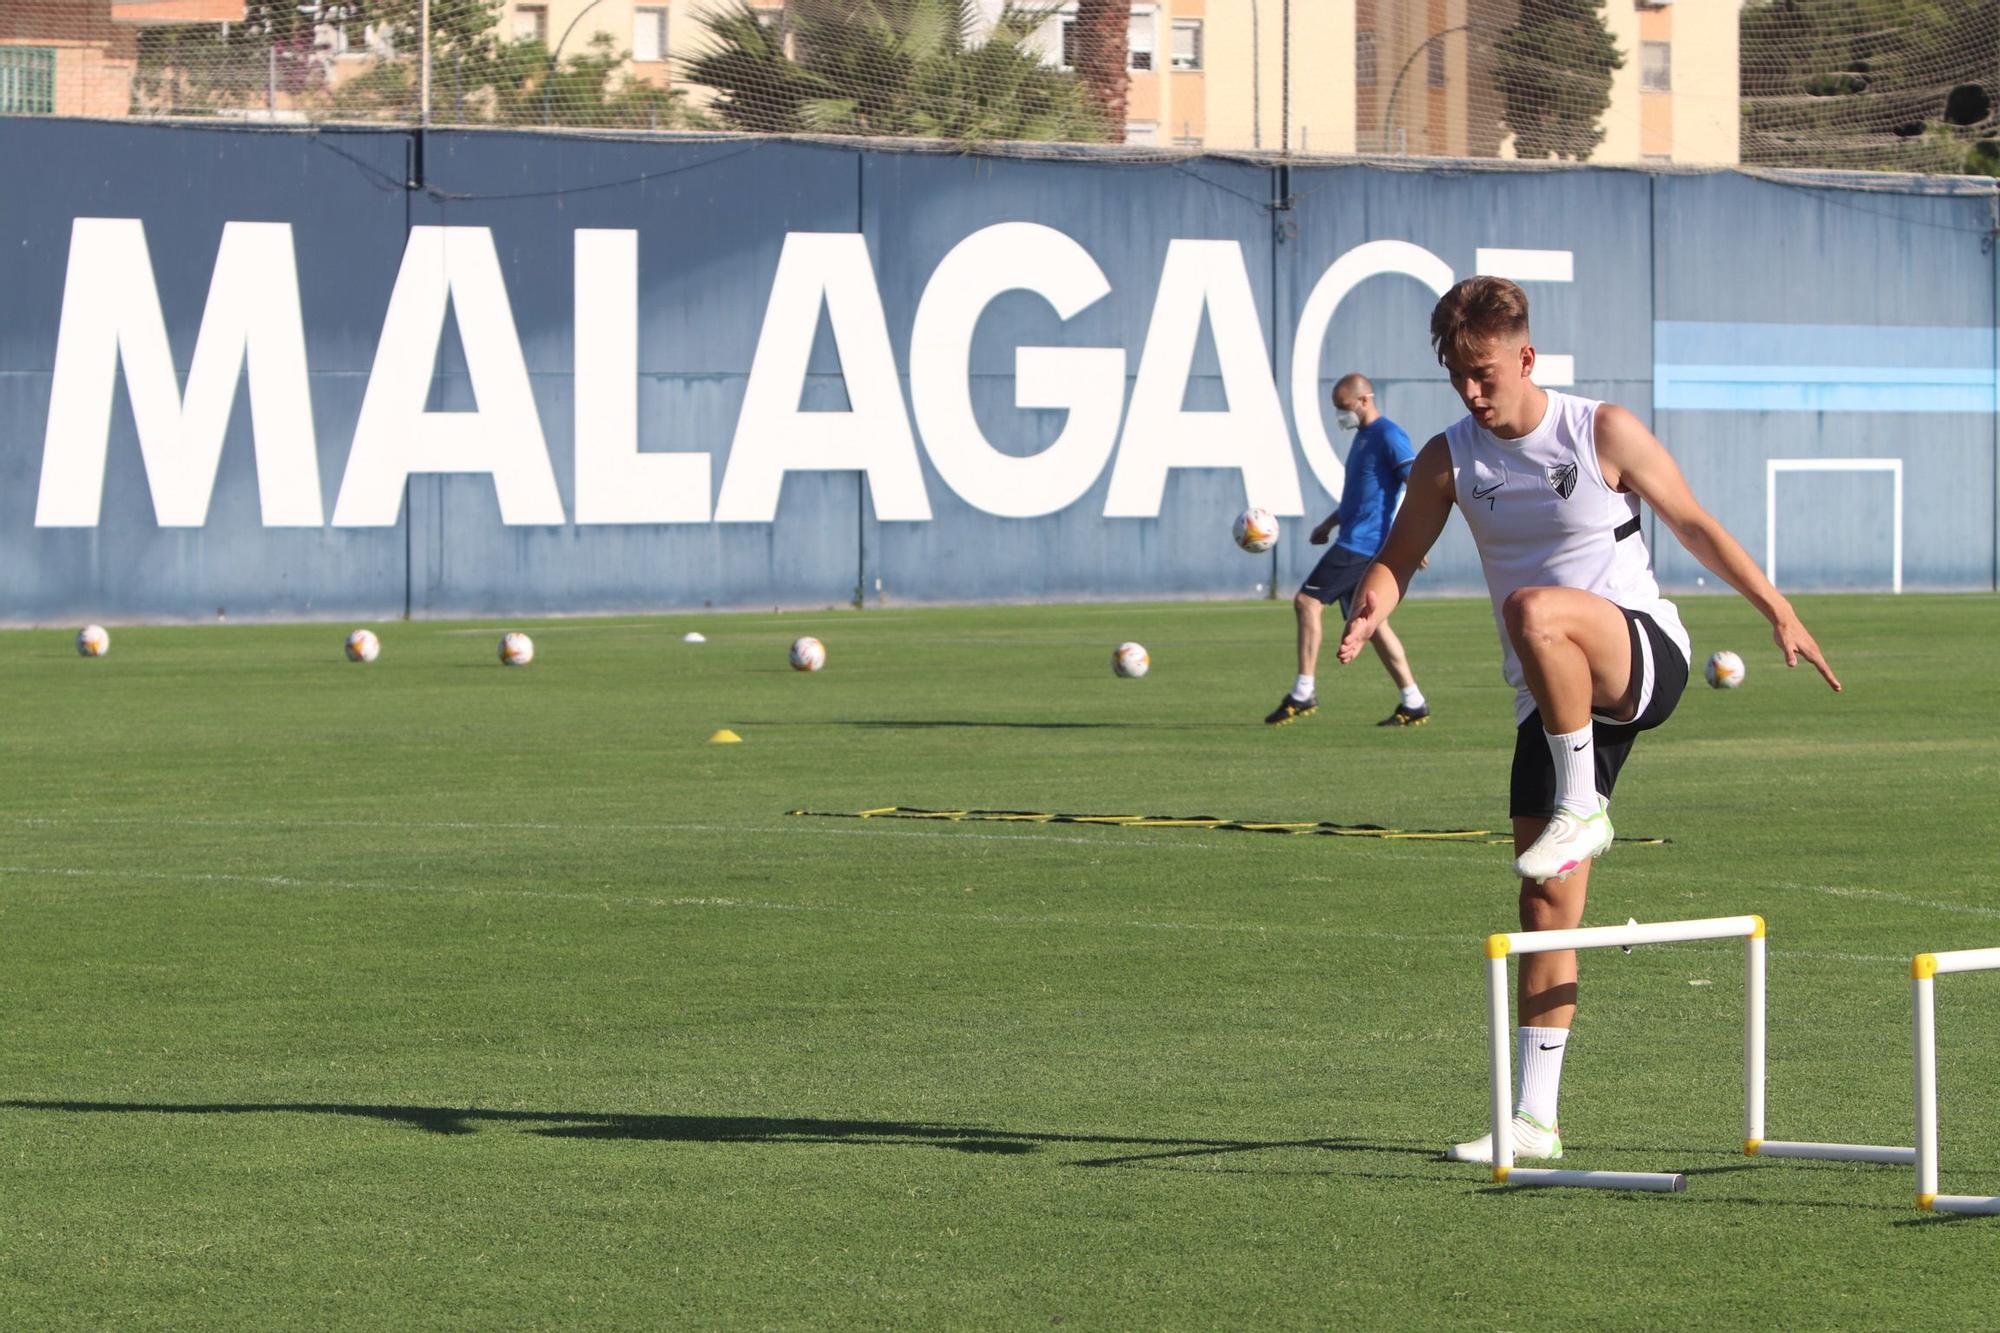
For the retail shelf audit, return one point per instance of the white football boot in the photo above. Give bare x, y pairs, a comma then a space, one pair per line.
1569, 841
1533, 1141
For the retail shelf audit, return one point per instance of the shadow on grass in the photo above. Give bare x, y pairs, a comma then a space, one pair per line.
594, 1125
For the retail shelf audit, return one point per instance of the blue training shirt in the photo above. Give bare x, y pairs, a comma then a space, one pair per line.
1377, 467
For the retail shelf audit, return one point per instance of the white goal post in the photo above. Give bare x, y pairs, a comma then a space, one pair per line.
1774, 466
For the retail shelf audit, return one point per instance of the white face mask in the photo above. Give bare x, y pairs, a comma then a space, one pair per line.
1348, 420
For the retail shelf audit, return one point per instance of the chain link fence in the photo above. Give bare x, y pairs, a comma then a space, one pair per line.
1910, 85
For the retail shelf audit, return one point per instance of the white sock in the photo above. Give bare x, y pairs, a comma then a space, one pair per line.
1412, 697
1302, 688
1540, 1055
1576, 770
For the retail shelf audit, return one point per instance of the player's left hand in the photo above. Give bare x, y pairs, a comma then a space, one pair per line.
1794, 642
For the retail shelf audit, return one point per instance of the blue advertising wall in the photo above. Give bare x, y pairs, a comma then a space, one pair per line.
1847, 333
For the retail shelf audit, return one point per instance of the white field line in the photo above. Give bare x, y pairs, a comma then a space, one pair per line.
1451, 938
1899, 899
1027, 834
727, 904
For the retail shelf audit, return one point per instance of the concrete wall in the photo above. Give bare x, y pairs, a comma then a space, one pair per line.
1747, 320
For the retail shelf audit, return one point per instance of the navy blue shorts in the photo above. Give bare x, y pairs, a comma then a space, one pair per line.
1336, 576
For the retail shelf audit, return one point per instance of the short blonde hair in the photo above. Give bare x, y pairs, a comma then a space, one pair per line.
1477, 311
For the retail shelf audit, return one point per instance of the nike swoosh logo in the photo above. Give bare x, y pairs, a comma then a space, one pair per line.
1574, 748
1478, 494
1558, 1046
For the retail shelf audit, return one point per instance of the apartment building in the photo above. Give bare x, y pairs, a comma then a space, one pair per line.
1397, 77
1213, 73
1424, 84
79, 58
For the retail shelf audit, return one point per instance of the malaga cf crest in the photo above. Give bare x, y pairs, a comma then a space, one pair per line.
1563, 479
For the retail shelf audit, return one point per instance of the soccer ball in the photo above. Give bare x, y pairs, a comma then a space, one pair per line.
1724, 670
93, 641
1256, 530
808, 654
1130, 660
363, 646
516, 648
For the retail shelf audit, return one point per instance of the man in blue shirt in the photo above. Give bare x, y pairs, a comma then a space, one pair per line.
1377, 467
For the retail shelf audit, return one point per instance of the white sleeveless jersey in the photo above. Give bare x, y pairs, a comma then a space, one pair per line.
1542, 516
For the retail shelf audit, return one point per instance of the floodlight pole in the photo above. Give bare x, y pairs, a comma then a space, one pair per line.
1257, 101
424, 64
1285, 77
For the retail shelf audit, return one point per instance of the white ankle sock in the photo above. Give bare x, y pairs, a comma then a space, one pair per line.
1540, 1055
1413, 697
1576, 770
1302, 688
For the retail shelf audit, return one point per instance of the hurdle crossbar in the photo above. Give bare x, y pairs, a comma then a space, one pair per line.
1925, 968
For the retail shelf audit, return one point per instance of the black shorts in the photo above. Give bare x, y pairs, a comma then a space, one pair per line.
1336, 576
1659, 674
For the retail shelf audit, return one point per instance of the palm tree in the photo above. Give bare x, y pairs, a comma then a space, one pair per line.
1100, 41
916, 68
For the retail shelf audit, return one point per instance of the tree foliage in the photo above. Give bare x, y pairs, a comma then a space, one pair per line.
477, 75
1554, 70
1908, 84
917, 68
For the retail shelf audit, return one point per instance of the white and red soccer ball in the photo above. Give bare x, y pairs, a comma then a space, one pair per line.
93, 641
1724, 670
808, 654
1130, 661
516, 648
363, 646
1256, 530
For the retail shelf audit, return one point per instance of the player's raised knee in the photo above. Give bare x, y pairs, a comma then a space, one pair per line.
1532, 612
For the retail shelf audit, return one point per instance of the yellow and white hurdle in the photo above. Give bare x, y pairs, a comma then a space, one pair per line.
1751, 930
1925, 968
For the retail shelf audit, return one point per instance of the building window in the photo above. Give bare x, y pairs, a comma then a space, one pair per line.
649, 35
1434, 66
1069, 53
531, 23
1187, 43
1364, 57
1143, 39
27, 80
1145, 133
1656, 66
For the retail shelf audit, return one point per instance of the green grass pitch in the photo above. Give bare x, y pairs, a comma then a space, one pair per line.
438, 993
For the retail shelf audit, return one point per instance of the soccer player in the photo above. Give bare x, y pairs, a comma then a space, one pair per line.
1378, 464
1550, 485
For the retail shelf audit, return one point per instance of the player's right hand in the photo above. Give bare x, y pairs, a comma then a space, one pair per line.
1360, 629
1319, 535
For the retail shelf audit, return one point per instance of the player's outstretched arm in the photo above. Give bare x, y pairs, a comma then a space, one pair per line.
1632, 460
1426, 505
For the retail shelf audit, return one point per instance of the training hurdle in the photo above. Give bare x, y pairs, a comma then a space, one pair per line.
1924, 969
1751, 930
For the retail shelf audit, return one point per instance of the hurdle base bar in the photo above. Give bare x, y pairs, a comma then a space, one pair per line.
1830, 1152
1656, 1182
1985, 1205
